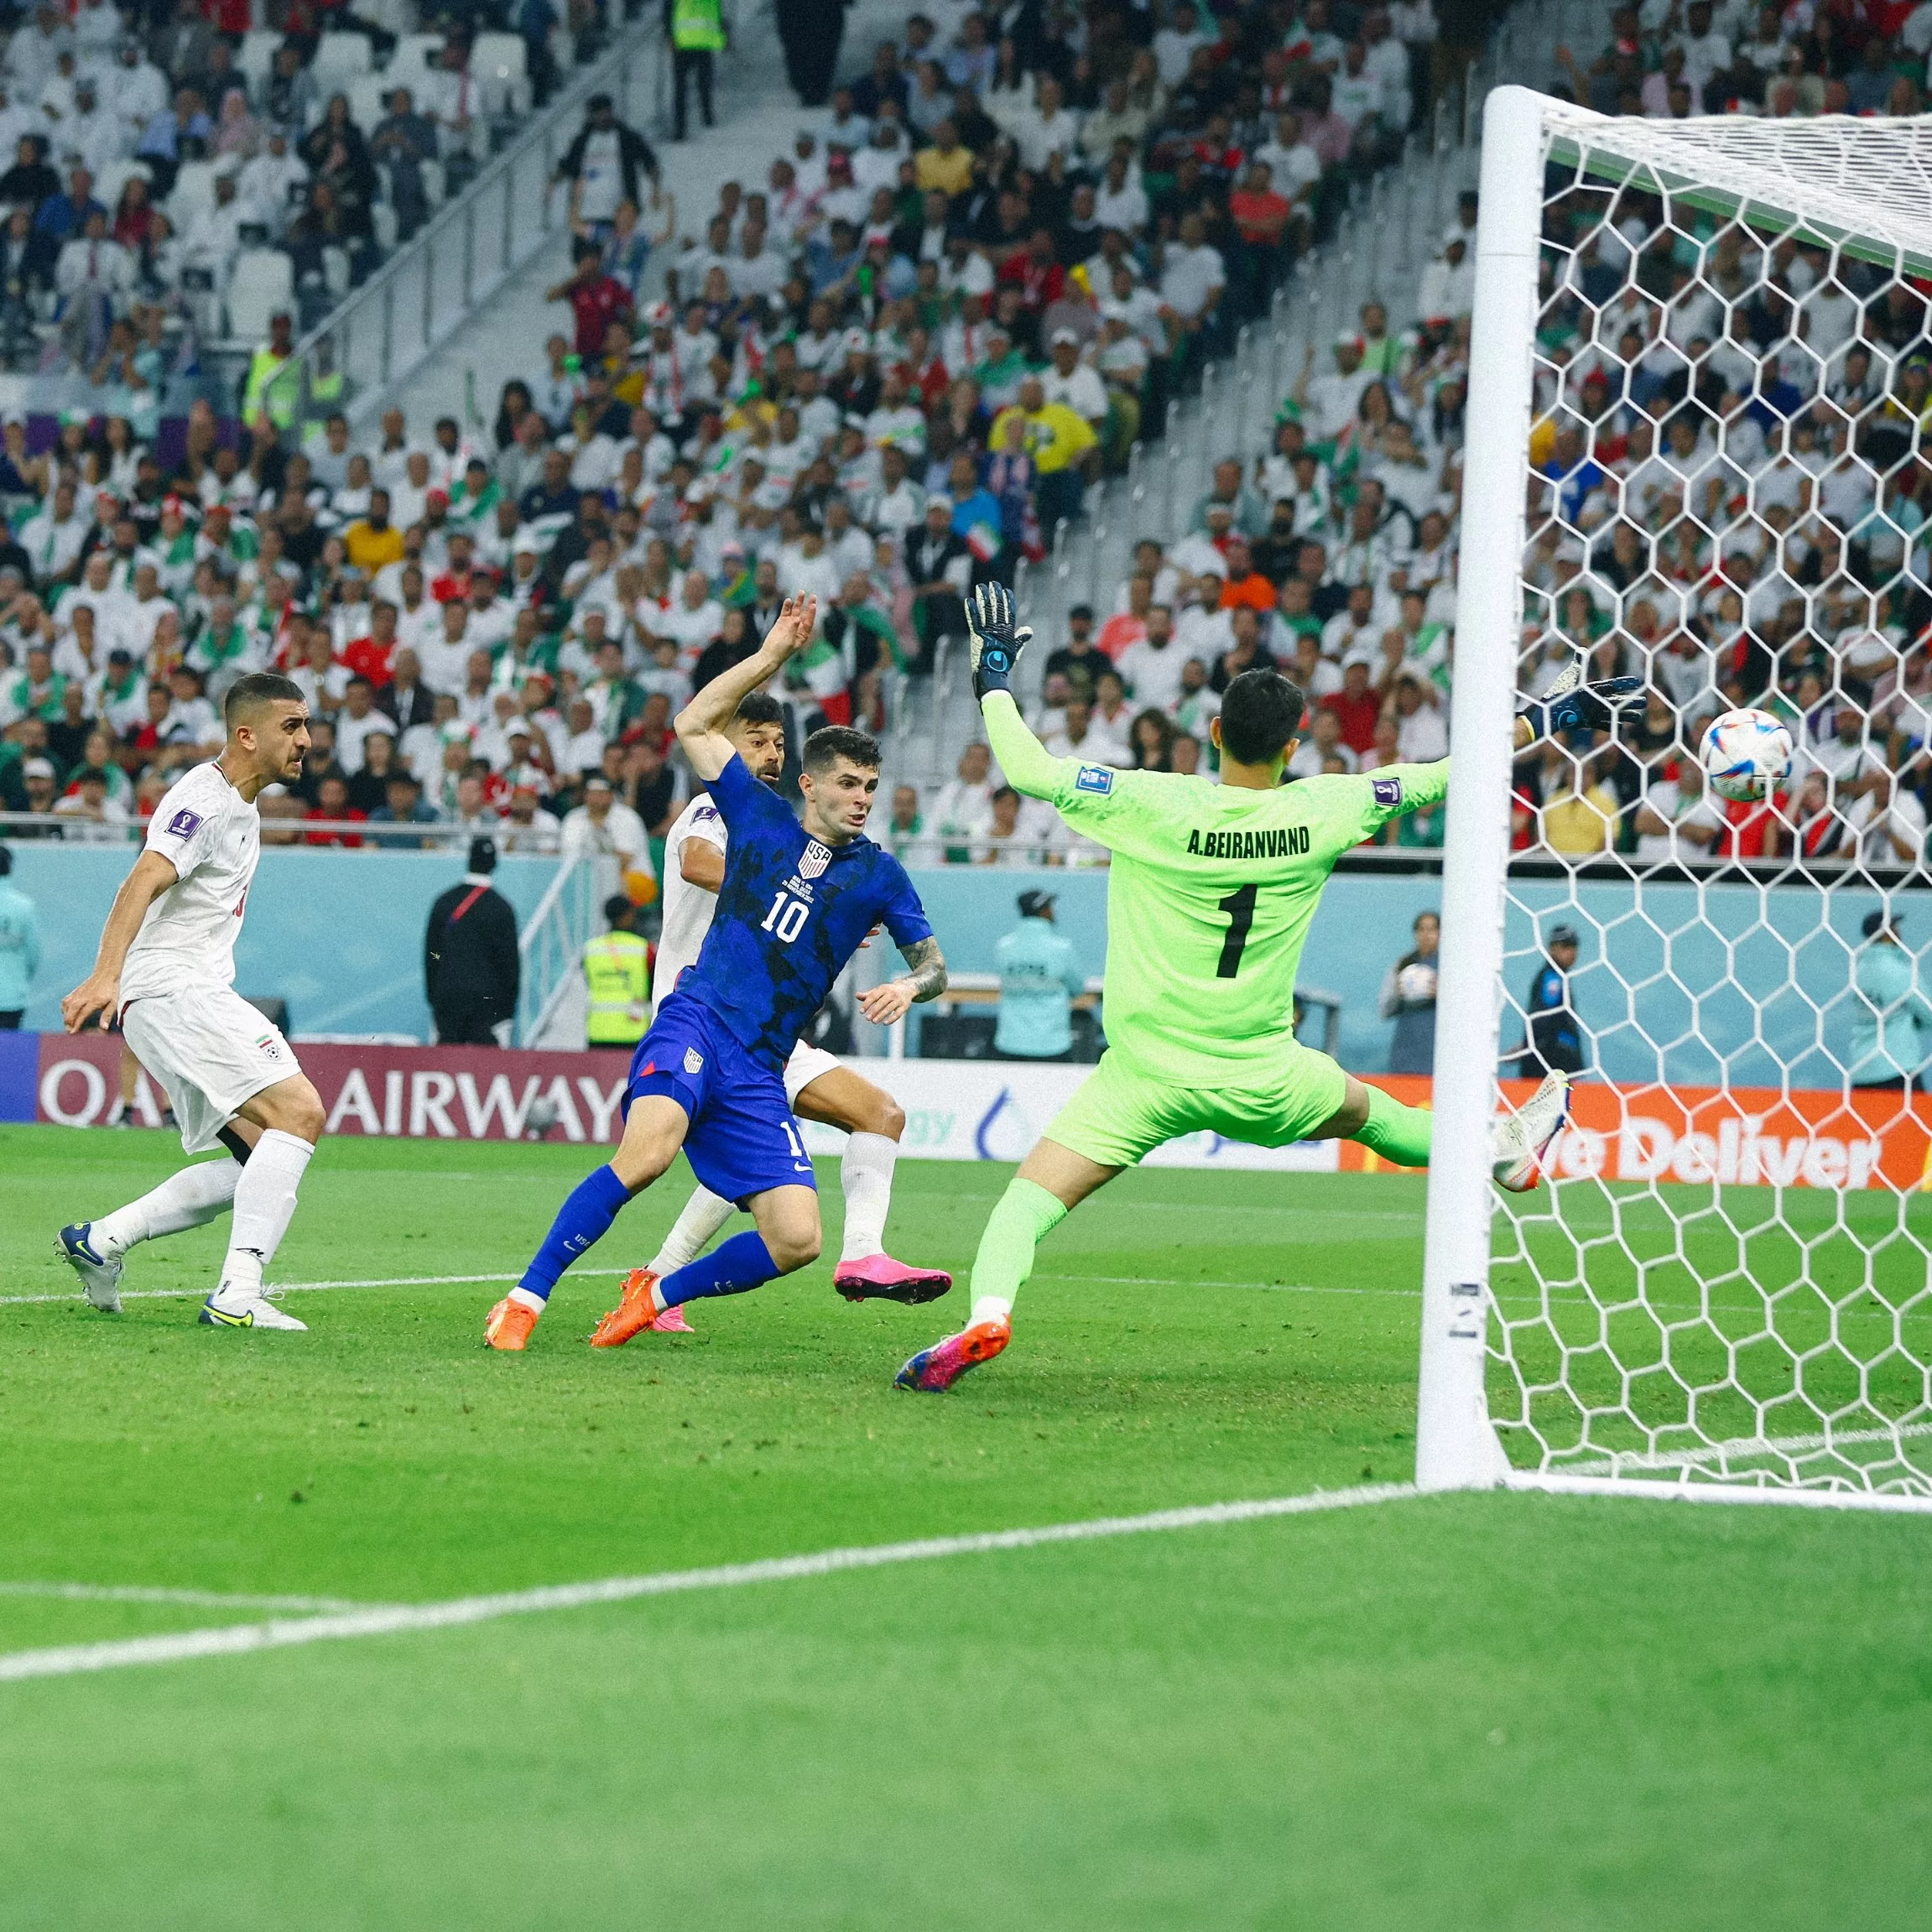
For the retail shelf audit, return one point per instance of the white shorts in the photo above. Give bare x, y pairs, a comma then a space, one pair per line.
806, 1063
212, 1051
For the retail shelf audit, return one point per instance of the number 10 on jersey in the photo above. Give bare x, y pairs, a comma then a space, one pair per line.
787, 918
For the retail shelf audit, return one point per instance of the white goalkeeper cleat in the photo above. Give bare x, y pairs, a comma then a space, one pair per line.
1516, 1155
235, 1304
99, 1273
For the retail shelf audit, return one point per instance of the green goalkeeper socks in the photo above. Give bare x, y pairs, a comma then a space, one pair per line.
1026, 1213
1397, 1132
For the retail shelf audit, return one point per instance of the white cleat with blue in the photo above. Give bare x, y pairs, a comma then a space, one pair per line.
100, 1274
1516, 1154
238, 1305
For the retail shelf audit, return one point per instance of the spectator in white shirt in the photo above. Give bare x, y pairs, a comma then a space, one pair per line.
1192, 273
1676, 820
602, 827
1074, 382
1174, 45
1154, 663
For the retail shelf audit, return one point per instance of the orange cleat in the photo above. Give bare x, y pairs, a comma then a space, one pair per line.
509, 1325
634, 1313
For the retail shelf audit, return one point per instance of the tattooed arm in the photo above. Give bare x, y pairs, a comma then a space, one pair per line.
926, 979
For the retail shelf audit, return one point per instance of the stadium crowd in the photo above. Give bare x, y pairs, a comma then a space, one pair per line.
153, 153
1730, 492
889, 371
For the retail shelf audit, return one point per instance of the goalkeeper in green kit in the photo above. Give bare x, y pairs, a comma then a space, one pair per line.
1208, 900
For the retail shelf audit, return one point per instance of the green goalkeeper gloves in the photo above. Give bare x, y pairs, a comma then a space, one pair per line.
1570, 705
996, 643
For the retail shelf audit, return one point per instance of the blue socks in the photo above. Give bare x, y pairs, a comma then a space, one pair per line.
743, 1262
582, 1221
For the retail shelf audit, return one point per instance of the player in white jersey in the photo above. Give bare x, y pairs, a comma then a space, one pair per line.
818, 1087
166, 967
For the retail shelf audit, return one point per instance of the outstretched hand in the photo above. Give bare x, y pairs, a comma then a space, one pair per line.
996, 642
1570, 705
793, 628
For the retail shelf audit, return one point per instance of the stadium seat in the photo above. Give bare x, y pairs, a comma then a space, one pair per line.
501, 64
257, 57
194, 188
114, 176
264, 281
369, 99
434, 190
415, 54
339, 58
382, 216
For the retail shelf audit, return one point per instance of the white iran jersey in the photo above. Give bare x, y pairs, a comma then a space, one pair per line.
688, 908
212, 837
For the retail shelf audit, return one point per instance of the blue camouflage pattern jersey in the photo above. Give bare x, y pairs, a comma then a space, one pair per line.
791, 911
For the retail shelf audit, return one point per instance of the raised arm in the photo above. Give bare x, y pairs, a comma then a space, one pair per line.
99, 992
996, 641
700, 724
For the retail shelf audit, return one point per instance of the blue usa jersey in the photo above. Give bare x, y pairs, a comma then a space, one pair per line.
791, 912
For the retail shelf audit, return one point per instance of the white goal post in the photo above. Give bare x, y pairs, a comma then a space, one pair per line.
1722, 1291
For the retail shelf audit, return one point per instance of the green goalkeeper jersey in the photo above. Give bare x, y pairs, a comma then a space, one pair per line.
1209, 895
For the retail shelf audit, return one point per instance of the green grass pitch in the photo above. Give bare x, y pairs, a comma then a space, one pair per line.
1496, 1712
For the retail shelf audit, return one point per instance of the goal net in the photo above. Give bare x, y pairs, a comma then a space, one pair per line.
1699, 452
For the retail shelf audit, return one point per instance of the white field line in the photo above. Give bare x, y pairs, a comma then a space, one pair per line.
197, 1598
1888, 1502
1580, 1296
239, 1639
1740, 1447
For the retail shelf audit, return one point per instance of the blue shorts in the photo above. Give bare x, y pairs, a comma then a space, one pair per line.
741, 1139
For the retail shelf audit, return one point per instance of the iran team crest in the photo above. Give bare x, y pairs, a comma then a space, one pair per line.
814, 859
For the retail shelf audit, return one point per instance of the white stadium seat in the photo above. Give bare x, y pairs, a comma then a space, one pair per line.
339, 58
194, 188
264, 281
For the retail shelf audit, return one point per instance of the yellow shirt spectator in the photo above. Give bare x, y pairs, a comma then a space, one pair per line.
1582, 821
369, 548
950, 168
1055, 435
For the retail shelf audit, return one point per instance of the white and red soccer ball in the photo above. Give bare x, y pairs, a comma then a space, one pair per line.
1746, 755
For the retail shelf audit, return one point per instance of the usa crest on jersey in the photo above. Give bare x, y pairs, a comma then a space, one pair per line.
813, 860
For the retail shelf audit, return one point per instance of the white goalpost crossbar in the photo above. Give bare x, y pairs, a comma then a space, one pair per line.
1631, 1374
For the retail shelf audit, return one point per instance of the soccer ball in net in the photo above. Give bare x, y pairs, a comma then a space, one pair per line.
1746, 755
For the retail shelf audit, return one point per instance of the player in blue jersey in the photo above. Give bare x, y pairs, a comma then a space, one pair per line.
796, 902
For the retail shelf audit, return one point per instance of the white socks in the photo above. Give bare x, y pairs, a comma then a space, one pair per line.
264, 1205
866, 1173
182, 1201
705, 1213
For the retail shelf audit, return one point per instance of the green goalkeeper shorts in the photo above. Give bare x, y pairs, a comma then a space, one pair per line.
1121, 1114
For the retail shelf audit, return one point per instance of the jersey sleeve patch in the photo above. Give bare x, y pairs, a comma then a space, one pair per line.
184, 825
1093, 779
1387, 791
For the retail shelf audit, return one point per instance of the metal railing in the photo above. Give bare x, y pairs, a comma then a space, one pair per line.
290, 834
383, 332
550, 947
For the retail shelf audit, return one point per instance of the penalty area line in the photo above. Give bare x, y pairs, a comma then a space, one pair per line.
299, 1287
195, 1599
239, 1639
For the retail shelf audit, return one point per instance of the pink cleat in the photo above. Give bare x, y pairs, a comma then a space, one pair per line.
879, 1278
672, 1322
935, 1370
